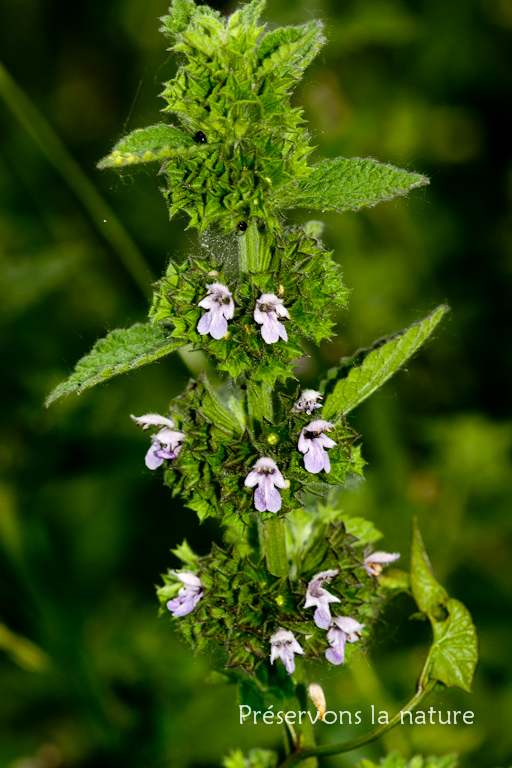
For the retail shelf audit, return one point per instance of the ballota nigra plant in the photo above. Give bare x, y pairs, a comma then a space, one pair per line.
293, 580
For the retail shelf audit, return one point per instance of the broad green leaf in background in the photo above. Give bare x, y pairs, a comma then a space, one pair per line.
348, 184
120, 351
378, 366
147, 145
454, 652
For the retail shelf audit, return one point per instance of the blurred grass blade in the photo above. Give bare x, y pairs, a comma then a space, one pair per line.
23, 652
56, 153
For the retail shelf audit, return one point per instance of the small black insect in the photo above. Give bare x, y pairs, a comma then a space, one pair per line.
242, 226
200, 138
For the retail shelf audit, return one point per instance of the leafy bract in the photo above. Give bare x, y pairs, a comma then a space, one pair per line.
289, 50
348, 184
454, 652
377, 366
147, 145
120, 351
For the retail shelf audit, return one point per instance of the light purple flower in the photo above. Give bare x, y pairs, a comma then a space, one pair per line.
375, 562
219, 303
308, 402
268, 309
343, 628
317, 596
189, 595
166, 444
268, 478
313, 442
284, 646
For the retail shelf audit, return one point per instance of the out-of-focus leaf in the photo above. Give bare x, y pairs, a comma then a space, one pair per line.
395, 760
120, 351
378, 366
348, 184
454, 652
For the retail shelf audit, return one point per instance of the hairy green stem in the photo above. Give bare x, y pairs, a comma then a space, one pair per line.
101, 215
272, 537
347, 746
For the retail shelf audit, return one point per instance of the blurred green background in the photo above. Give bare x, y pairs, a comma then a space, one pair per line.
89, 678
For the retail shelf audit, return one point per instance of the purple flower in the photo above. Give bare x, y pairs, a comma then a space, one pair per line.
166, 444
317, 596
343, 628
375, 562
268, 309
284, 647
307, 402
189, 595
312, 443
219, 303
268, 478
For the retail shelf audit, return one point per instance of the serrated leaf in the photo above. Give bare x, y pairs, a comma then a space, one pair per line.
184, 553
378, 366
121, 350
148, 145
455, 647
290, 49
454, 652
348, 184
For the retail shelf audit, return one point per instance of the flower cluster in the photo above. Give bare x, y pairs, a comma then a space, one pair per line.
266, 475
219, 303
340, 629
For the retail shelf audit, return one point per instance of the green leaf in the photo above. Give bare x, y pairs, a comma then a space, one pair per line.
348, 184
455, 647
120, 351
148, 145
378, 366
184, 553
454, 652
289, 50
214, 411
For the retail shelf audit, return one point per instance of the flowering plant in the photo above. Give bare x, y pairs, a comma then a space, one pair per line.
258, 452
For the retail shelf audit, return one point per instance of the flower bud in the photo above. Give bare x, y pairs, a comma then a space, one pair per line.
317, 696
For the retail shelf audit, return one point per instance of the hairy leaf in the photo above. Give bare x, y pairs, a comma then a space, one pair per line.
378, 366
120, 351
348, 184
290, 49
454, 652
147, 145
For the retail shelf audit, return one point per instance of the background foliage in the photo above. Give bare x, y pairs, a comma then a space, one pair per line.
89, 676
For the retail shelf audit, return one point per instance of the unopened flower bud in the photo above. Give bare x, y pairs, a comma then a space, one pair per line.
273, 439
317, 696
